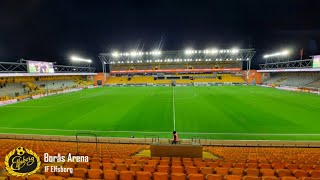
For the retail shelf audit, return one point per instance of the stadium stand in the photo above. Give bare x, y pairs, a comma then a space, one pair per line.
295, 79
117, 161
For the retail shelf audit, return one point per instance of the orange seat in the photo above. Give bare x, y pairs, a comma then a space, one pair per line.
265, 166
50, 178
129, 161
166, 158
95, 160
299, 173
178, 176
110, 174
160, 176
118, 161
153, 162
222, 170
236, 171
135, 167
176, 163
191, 169
226, 165
306, 167
149, 168
292, 166
233, 177
201, 164
283, 172
252, 165
49, 173
163, 168
267, 172
177, 169
188, 163
214, 177
314, 173
143, 175
82, 165
121, 167
193, 176
164, 162
269, 178
74, 178
214, 164
69, 165
108, 166
141, 161
309, 178
63, 174
126, 175
206, 170
251, 178
95, 174
252, 172
36, 177
278, 166
288, 178
239, 165
95, 165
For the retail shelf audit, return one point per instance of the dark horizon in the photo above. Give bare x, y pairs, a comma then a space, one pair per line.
53, 30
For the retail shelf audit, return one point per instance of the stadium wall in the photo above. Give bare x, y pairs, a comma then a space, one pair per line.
254, 77
98, 77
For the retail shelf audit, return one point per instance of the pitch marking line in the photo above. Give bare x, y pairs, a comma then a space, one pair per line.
77, 130
173, 110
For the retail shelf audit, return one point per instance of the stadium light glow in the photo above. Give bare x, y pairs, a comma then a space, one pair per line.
116, 54
234, 51
79, 59
156, 52
188, 51
277, 54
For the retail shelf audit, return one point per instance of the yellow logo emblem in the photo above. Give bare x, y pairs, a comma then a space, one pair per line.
22, 162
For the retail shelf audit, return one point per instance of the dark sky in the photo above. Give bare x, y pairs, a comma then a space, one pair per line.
53, 29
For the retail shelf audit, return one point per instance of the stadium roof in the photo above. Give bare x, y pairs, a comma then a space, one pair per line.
188, 55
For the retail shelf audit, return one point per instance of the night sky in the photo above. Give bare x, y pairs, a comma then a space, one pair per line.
52, 30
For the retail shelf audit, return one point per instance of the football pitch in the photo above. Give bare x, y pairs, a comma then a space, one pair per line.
215, 112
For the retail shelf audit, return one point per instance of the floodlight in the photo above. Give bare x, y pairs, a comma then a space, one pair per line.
133, 53
115, 54
234, 51
156, 52
188, 51
78, 59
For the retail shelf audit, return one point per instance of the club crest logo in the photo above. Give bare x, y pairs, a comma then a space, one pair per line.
22, 162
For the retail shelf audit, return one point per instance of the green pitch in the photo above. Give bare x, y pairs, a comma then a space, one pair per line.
217, 112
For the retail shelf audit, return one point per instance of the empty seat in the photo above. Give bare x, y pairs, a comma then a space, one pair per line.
95, 174
233, 177
163, 168
283, 172
108, 166
206, 170
314, 173
129, 161
153, 162
239, 165
160, 176
265, 166
251, 178
63, 174
278, 166
178, 176
214, 164
191, 169
143, 175
126, 175
214, 177
201, 164
292, 166
299, 173
176, 163
252, 165
267, 172
82, 165
252, 172
221, 170
110, 174
135, 167
121, 167
188, 163
196, 176
141, 161
95, 165
149, 168
236, 171
269, 178
164, 162
49, 178
177, 169
36, 177
288, 178
118, 161
306, 167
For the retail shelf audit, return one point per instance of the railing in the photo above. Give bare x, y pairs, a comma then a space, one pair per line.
154, 138
197, 139
90, 134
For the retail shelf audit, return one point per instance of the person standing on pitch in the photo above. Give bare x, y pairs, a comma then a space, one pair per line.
175, 137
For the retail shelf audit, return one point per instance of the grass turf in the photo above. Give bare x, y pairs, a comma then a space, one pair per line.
216, 112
